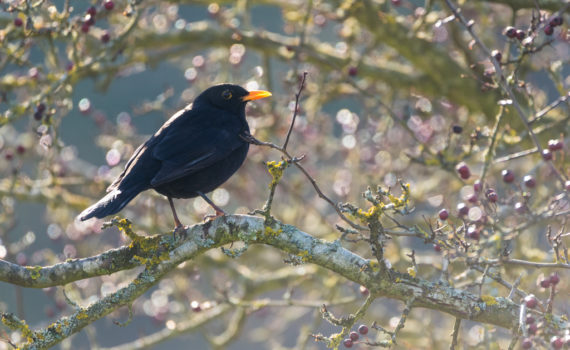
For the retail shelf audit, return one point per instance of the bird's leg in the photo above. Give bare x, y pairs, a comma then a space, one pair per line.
219, 211
177, 222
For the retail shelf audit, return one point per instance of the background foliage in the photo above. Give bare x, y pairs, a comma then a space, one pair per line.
396, 90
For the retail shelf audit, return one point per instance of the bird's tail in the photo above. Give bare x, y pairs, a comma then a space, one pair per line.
112, 203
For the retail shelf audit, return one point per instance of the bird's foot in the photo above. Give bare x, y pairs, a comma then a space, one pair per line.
179, 231
211, 217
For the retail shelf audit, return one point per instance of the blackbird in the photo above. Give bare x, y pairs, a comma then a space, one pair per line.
193, 153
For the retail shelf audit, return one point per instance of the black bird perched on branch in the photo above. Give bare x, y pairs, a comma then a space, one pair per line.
193, 153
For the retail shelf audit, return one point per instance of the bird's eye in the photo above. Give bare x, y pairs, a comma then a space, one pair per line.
227, 94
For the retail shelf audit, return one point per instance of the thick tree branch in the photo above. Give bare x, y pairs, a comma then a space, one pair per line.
330, 255
69, 271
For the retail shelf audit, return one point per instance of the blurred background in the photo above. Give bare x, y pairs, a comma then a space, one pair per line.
395, 90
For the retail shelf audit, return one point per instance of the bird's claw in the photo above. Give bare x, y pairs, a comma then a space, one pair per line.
211, 217
179, 231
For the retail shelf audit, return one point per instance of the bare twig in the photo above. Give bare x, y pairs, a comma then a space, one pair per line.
516, 155
514, 288
455, 334
522, 319
497, 278
513, 342
403, 318
491, 149
297, 96
251, 139
520, 262
548, 108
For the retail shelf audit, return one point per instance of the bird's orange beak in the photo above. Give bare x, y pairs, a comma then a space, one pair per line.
256, 95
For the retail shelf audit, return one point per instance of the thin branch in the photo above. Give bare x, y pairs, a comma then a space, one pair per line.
403, 318
295, 111
251, 139
548, 108
187, 325
489, 154
520, 262
455, 334
516, 155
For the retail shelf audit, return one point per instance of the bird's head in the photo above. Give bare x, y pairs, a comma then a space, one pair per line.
229, 97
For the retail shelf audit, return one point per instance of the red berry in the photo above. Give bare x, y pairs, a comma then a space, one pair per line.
554, 279
92, 11
472, 198
492, 195
462, 208
363, 329
40, 107
508, 176
463, 170
531, 301
529, 181
20, 149
477, 186
473, 233
556, 21
443, 214
89, 19
9, 155
85, 27
497, 55
352, 71
18, 22
396, 2
555, 145
105, 37
109, 5
520, 34
526, 343
545, 283
347, 343
532, 328
546, 154
354, 336
520, 207
195, 306
529, 319
556, 342
364, 291
510, 32
437, 248
548, 30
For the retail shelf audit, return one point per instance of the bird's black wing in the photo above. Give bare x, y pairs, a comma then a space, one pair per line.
195, 141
